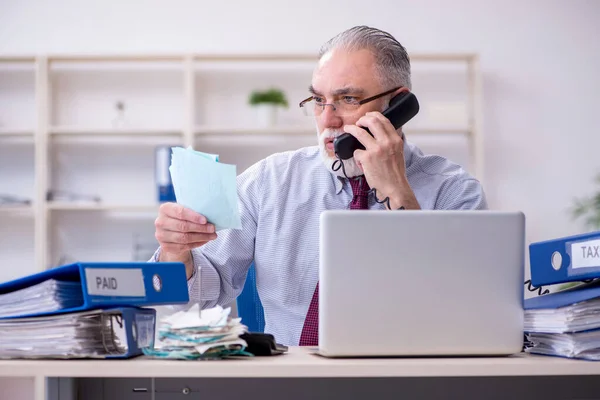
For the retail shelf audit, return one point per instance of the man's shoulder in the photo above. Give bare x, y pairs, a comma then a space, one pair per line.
435, 167
440, 183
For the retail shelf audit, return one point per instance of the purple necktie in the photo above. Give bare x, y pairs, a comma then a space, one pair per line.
310, 331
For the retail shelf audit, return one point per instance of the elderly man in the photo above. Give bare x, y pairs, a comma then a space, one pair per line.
282, 196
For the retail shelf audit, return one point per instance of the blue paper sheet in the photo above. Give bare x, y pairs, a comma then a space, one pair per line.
206, 186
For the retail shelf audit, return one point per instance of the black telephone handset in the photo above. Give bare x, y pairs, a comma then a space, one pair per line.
402, 108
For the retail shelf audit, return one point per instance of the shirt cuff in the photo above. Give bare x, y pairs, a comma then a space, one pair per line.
204, 286
156, 258
193, 286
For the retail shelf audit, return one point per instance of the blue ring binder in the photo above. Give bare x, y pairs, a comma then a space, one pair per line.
113, 285
573, 267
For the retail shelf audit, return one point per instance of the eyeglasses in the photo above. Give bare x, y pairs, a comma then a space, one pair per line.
346, 105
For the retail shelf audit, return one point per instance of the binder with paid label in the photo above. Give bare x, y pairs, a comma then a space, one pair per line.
567, 259
106, 333
94, 285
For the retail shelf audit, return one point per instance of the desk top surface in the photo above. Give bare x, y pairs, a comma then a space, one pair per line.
302, 362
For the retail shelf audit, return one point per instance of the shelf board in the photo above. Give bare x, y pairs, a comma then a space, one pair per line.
437, 131
15, 208
222, 57
84, 131
256, 57
461, 57
15, 132
314, 57
116, 58
90, 206
303, 130
276, 130
17, 59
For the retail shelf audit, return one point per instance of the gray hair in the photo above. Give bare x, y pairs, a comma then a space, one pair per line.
393, 62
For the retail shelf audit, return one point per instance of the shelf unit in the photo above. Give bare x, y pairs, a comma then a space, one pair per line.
193, 97
188, 100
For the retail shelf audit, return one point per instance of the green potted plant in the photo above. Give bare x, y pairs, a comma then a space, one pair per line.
266, 103
589, 209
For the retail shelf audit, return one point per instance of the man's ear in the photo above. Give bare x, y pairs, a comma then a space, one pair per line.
400, 90
394, 94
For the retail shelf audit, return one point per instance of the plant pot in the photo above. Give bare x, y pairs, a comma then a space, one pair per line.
266, 114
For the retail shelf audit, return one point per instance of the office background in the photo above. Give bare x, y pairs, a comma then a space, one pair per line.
538, 62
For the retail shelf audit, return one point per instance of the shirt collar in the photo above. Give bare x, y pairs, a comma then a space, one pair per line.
339, 181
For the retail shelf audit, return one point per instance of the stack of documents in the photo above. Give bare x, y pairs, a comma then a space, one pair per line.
48, 296
87, 309
203, 184
116, 333
200, 334
584, 345
565, 324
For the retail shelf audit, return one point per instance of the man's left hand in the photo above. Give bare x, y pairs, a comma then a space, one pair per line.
382, 161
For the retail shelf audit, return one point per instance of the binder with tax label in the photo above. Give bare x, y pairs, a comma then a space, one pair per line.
94, 285
567, 259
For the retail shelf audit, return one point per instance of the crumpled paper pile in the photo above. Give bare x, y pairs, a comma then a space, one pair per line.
200, 334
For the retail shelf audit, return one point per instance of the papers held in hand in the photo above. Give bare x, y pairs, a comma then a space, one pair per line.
206, 186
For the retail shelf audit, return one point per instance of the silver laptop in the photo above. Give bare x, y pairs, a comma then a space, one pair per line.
421, 283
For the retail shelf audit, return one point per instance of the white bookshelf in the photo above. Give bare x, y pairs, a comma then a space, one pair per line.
60, 129
77, 140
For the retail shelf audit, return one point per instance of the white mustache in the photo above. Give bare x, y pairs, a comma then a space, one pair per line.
327, 134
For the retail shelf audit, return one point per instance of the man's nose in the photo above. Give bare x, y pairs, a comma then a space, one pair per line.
329, 117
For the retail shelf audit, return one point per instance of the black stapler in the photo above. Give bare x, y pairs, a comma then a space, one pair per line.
262, 344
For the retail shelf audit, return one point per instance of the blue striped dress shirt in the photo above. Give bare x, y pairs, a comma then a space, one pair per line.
280, 200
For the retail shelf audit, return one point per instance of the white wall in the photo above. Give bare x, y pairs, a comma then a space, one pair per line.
539, 60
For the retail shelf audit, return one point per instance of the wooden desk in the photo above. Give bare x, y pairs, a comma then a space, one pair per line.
301, 363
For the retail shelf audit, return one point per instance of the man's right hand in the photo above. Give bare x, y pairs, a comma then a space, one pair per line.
178, 231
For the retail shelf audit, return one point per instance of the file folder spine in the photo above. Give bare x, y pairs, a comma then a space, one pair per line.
139, 325
567, 259
164, 184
